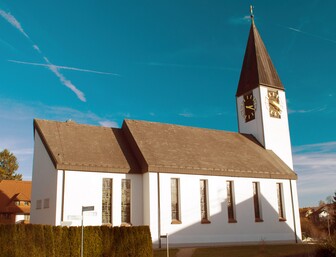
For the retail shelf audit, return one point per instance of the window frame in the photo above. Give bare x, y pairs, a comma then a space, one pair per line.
46, 203
38, 204
107, 216
257, 202
175, 212
281, 203
231, 206
204, 201
126, 206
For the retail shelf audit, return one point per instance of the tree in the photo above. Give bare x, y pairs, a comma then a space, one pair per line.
329, 199
333, 225
321, 203
8, 166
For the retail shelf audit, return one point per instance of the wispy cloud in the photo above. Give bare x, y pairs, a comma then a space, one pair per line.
240, 20
320, 148
109, 124
26, 112
188, 66
310, 34
64, 67
316, 166
318, 109
204, 113
53, 68
186, 114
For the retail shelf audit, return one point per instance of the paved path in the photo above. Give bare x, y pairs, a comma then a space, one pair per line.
185, 252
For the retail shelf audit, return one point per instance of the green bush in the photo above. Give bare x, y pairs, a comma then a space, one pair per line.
50, 241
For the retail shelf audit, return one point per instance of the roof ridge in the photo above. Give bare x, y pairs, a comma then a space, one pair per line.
179, 125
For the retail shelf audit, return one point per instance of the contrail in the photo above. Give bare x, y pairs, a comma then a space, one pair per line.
65, 67
13, 21
312, 35
53, 68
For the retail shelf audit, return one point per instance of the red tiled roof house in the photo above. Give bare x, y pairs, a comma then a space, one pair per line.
15, 199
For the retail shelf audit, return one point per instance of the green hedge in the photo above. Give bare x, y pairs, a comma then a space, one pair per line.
50, 241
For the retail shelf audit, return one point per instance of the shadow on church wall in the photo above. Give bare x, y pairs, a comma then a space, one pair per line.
244, 230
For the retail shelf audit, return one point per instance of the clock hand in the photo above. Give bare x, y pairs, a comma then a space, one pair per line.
251, 107
275, 104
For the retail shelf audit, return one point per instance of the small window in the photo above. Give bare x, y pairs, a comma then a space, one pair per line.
27, 217
6, 216
17, 203
126, 201
175, 203
204, 201
230, 202
281, 207
256, 201
46, 203
38, 204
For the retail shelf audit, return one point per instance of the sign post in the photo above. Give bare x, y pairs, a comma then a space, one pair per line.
84, 209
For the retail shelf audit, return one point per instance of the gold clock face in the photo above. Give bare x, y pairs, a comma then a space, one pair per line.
248, 107
273, 103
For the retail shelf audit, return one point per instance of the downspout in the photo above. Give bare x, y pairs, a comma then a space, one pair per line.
159, 209
293, 212
63, 189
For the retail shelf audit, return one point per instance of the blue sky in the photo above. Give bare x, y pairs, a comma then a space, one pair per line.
99, 62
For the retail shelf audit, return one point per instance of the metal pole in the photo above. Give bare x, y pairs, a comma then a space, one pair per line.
82, 239
328, 224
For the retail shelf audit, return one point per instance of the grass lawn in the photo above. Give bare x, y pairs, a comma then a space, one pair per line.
261, 250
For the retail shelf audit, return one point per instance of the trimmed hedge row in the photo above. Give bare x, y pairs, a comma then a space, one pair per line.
50, 241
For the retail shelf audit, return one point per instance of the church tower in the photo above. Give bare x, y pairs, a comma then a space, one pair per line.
261, 100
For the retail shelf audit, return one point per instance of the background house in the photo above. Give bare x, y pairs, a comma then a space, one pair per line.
15, 201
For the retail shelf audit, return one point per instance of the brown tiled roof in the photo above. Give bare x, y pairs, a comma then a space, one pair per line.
180, 149
140, 147
72, 146
12, 190
257, 68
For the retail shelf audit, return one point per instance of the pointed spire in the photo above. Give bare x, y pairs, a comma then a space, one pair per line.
257, 68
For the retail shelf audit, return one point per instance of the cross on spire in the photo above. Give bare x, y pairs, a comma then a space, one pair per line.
251, 11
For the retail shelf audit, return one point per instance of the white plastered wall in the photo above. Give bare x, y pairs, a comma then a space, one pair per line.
191, 231
85, 189
276, 131
44, 186
272, 133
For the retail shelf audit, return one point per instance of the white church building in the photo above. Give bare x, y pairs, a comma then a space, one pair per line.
199, 186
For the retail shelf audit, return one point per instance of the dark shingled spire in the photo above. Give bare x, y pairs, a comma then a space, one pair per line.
258, 68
